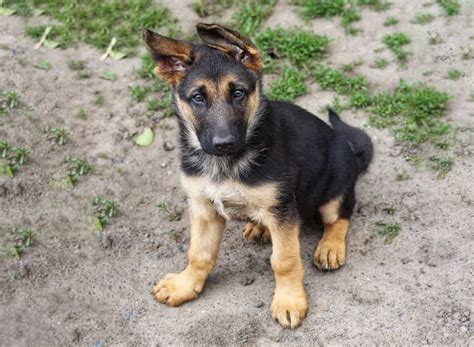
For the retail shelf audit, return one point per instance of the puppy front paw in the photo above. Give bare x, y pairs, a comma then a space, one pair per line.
176, 289
289, 306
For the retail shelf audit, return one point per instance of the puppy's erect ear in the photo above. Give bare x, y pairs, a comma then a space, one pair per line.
232, 43
172, 57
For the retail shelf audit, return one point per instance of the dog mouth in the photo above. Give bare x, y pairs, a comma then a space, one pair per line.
224, 152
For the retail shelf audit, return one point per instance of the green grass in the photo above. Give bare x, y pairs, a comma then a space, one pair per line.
138, 93
23, 238
76, 65
390, 21
388, 230
57, 135
200, 8
412, 112
441, 165
332, 79
395, 42
97, 22
423, 18
76, 168
376, 5
205, 8
353, 86
288, 86
12, 158
104, 211
450, 7
389, 210
109, 76
99, 100
300, 47
310, 9
350, 67
248, 18
82, 114
171, 211
9, 100
43, 65
348, 10
380, 63
162, 98
454, 74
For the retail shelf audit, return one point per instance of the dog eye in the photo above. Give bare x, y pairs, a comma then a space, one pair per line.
198, 98
238, 93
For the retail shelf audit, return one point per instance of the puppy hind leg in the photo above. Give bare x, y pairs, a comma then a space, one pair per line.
330, 253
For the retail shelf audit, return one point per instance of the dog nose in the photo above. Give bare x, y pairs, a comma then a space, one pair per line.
223, 144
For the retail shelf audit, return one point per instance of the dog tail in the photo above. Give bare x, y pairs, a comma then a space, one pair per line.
360, 142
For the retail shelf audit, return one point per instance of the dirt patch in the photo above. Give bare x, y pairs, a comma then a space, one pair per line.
79, 286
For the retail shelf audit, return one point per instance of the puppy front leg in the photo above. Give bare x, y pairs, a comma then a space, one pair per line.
290, 303
206, 234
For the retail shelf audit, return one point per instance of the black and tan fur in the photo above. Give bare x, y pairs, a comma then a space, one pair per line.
270, 164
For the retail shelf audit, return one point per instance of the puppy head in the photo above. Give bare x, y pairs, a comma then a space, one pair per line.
217, 85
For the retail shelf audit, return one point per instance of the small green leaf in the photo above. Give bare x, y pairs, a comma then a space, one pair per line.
145, 138
50, 44
37, 12
6, 11
117, 55
99, 225
43, 65
109, 75
5, 170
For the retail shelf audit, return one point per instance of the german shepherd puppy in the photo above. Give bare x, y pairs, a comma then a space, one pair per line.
268, 163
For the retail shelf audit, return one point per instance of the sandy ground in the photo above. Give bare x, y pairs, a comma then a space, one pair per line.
76, 286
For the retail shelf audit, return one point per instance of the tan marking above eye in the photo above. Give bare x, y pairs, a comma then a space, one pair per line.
224, 83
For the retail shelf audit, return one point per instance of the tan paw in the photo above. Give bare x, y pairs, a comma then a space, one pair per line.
256, 232
176, 289
330, 254
289, 306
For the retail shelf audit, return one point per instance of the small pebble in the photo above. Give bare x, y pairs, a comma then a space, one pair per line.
247, 281
168, 146
106, 241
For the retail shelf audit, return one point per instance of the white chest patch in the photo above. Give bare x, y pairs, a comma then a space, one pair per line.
233, 200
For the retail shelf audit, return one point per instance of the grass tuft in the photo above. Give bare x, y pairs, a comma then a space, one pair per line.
104, 210
57, 135
423, 18
348, 10
395, 42
23, 238
450, 7
97, 22
250, 15
300, 47
412, 112
288, 86
12, 158
390, 21
172, 212
9, 100
388, 230
454, 74
442, 166
380, 63
76, 168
